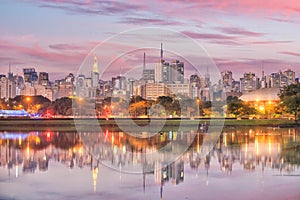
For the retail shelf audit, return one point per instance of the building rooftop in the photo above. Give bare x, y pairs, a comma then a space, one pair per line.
266, 94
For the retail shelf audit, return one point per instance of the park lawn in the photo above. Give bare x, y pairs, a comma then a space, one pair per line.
69, 124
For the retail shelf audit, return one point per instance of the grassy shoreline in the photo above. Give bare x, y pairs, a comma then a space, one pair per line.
70, 124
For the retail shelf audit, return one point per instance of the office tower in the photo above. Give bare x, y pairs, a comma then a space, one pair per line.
282, 79
30, 75
291, 76
43, 79
227, 80
195, 86
176, 72
148, 74
95, 73
159, 68
249, 82
7, 88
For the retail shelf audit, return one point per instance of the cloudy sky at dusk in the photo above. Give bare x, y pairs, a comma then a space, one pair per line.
56, 36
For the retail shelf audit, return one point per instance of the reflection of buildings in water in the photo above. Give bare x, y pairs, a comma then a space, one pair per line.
118, 149
173, 172
252, 148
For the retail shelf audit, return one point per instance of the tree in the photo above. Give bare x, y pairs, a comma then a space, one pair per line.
139, 108
240, 108
235, 108
62, 106
290, 99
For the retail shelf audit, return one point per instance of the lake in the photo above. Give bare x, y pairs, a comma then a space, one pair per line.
239, 163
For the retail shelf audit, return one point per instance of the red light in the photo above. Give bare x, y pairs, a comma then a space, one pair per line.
48, 136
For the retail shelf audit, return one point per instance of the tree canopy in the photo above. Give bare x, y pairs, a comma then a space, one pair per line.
290, 99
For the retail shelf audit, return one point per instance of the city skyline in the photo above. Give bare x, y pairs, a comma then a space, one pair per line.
237, 35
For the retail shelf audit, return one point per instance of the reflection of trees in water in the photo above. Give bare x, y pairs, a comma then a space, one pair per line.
257, 148
233, 147
65, 140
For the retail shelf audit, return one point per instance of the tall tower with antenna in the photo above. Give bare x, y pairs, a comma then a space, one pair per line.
148, 74
144, 62
161, 51
95, 66
10, 74
95, 73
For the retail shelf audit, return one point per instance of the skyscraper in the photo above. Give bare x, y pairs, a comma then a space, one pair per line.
30, 75
7, 88
148, 74
291, 76
95, 73
43, 79
176, 72
249, 82
159, 68
227, 80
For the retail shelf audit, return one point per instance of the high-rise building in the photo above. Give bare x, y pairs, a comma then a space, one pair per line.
249, 82
281, 79
291, 76
179, 89
10, 75
169, 73
176, 71
161, 68
45, 91
148, 74
263, 82
7, 88
95, 74
30, 75
82, 86
43, 79
153, 90
64, 87
195, 86
227, 80
28, 89
120, 87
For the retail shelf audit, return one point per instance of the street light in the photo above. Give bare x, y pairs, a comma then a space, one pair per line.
28, 100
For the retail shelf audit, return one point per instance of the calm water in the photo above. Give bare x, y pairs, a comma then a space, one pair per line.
257, 163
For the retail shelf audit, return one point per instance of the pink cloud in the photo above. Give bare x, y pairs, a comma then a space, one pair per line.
271, 42
290, 53
148, 21
208, 36
239, 31
246, 6
100, 7
35, 55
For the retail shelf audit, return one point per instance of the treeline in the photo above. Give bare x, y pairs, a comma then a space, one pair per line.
163, 106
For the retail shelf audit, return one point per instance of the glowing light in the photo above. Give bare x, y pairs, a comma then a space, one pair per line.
270, 146
261, 108
95, 175
27, 150
256, 145
17, 171
37, 140
20, 140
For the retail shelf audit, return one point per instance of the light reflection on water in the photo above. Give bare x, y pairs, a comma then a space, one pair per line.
245, 163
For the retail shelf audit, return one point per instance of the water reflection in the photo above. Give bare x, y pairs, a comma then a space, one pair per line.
254, 149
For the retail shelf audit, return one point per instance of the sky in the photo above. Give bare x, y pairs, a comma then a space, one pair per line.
57, 36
